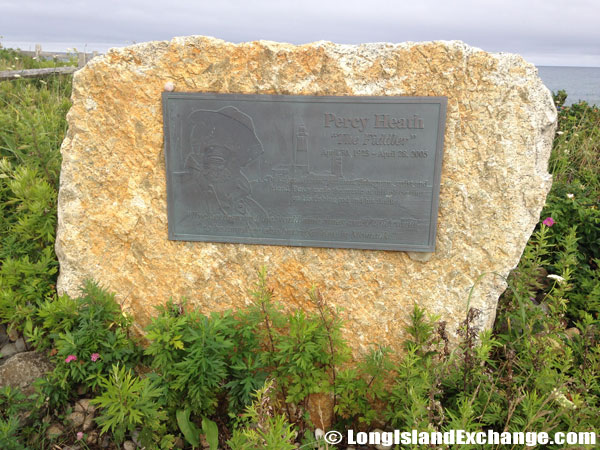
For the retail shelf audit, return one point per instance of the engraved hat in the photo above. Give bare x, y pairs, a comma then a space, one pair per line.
228, 132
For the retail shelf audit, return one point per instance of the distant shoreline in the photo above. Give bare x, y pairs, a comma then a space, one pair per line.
60, 47
582, 83
103, 47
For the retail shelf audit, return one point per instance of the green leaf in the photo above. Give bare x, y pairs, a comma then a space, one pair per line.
211, 431
189, 430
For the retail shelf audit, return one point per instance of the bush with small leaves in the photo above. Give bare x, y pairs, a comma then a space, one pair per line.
128, 402
264, 428
87, 335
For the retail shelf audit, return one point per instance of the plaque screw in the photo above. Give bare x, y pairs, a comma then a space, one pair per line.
169, 86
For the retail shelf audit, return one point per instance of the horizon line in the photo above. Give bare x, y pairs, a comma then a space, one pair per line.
10, 45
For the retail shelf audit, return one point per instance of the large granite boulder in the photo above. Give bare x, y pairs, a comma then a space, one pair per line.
112, 202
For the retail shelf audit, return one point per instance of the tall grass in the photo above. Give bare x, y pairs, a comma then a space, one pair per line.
11, 59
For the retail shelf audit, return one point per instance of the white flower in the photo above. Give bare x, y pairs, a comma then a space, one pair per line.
562, 400
556, 277
560, 132
570, 195
319, 434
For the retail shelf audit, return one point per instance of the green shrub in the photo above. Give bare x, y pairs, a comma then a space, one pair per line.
12, 404
264, 427
32, 127
88, 335
190, 353
303, 351
574, 204
358, 389
129, 402
411, 400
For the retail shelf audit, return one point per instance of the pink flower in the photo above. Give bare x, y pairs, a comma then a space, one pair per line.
70, 358
95, 357
80, 435
548, 221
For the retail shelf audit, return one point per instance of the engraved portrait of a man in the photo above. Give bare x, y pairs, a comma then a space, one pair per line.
221, 144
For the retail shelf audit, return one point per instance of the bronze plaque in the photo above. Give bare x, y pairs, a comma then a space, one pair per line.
344, 172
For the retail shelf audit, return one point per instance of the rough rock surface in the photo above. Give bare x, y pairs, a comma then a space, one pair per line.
112, 201
82, 415
21, 370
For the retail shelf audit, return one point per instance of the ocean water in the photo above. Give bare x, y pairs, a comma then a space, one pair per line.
581, 83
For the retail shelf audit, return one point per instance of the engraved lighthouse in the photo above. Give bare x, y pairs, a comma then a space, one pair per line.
301, 151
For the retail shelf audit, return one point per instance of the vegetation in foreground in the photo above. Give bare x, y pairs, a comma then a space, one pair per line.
244, 379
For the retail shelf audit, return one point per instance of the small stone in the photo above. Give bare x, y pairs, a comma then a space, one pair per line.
54, 431
420, 257
203, 442
129, 445
88, 423
8, 350
105, 441
572, 332
92, 438
84, 405
83, 415
24, 416
76, 418
20, 345
134, 437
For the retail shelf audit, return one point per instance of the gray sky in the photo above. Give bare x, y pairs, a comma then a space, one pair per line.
545, 32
